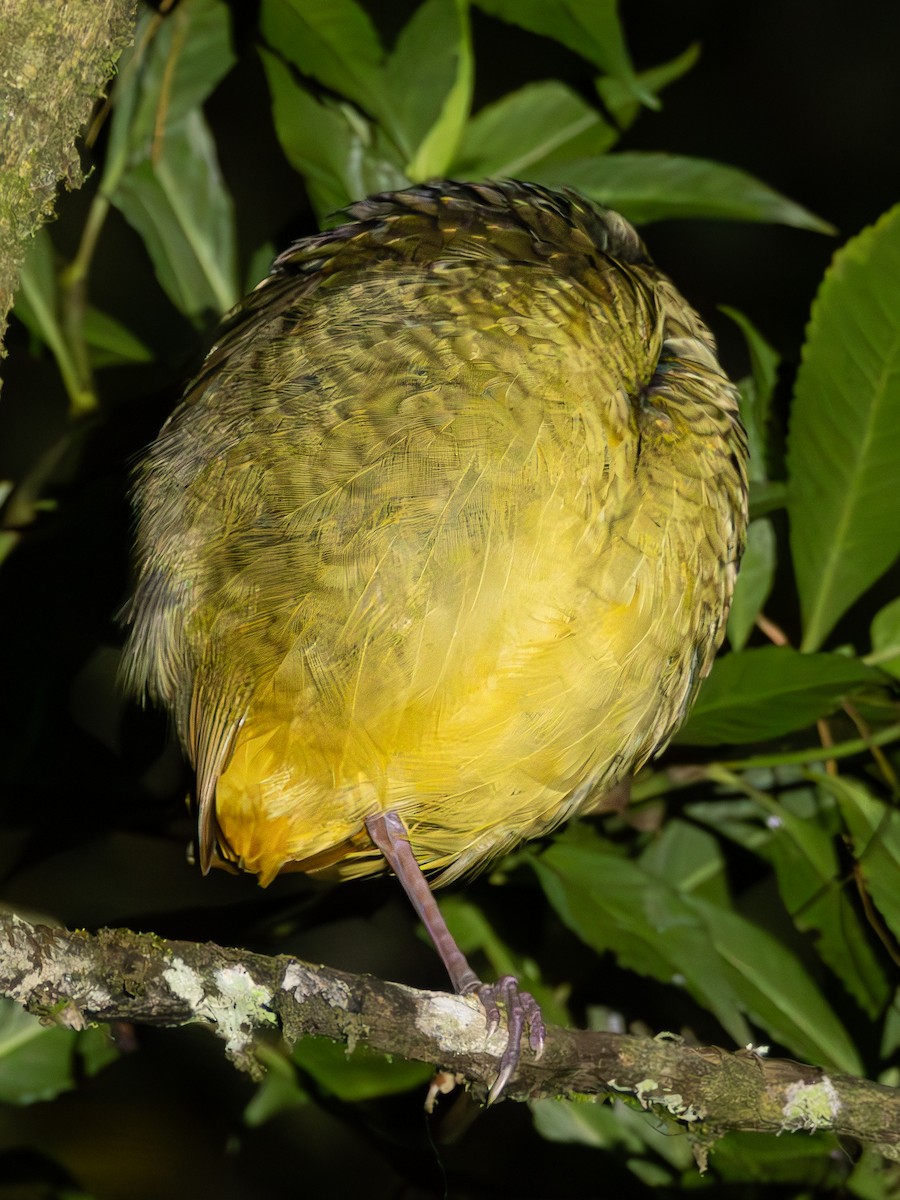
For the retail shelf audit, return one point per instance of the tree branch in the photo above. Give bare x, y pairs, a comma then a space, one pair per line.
77, 978
55, 60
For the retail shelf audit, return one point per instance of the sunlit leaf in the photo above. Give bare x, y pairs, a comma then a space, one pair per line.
844, 503
540, 123
766, 692
649, 187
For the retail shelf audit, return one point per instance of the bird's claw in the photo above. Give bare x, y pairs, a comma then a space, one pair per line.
521, 1009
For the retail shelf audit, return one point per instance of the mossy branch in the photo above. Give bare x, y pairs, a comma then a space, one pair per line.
55, 60
77, 978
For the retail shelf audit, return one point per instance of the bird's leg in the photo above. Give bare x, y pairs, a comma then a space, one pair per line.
389, 834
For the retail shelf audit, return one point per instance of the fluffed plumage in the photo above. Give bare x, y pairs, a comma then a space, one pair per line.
448, 526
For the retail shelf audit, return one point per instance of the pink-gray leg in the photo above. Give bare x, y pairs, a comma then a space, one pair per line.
389, 834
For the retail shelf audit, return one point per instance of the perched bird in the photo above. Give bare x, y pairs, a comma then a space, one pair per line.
439, 544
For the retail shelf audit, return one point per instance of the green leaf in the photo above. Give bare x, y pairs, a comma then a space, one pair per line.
36, 1061
727, 963
754, 583
279, 1090
431, 73
621, 102
767, 692
95, 1049
174, 66
259, 265
651, 187
37, 307
339, 155
162, 172
358, 1075
592, 1122
336, 43
777, 992
757, 399
111, 342
540, 123
180, 206
795, 833
589, 27
781, 1166
690, 859
885, 634
844, 445
614, 905
766, 496
875, 830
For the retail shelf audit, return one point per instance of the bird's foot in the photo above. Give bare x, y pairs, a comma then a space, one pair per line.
521, 1009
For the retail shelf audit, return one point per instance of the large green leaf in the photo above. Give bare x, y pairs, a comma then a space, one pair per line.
335, 42
339, 154
179, 204
766, 692
38, 1061
730, 965
174, 66
162, 171
844, 502
650, 1147
538, 124
110, 342
649, 187
796, 834
431, 74
589, 27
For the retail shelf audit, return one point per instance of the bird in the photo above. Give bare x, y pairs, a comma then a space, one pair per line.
438, 545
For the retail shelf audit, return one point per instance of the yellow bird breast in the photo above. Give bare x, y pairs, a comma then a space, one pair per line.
448, 525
